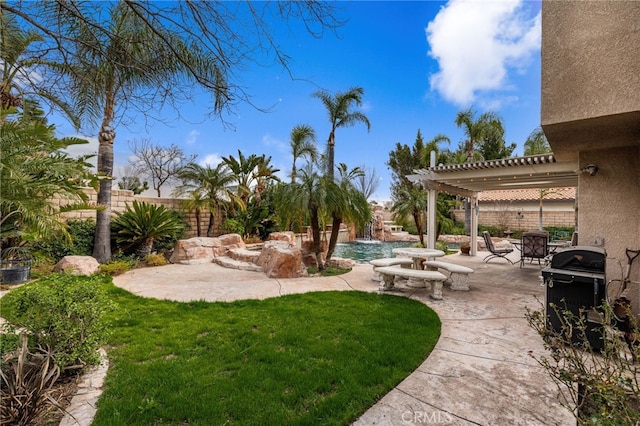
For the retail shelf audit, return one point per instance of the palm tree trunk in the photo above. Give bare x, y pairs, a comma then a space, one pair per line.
198, 224
331, 146
145, 247
210, 227
315, 232
333, 239
106, 137
418, 220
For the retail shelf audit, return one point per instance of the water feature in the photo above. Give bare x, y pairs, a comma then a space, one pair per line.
362, 251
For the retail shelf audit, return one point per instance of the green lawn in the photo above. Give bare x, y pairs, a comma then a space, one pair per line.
315, 358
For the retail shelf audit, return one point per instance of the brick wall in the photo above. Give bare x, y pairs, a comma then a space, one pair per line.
120, 198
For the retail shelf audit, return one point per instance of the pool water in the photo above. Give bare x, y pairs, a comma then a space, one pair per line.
366, 250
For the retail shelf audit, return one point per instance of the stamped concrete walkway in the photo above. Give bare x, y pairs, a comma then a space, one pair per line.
480, 372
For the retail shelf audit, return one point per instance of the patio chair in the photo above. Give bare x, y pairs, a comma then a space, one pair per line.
574, 239
495, 252
534, 245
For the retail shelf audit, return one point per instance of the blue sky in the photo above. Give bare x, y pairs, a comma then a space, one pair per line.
419, 63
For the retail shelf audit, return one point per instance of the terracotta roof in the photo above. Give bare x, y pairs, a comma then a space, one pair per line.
527, 194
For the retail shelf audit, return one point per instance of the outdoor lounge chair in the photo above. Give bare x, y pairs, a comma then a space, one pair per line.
535, 245
502, 252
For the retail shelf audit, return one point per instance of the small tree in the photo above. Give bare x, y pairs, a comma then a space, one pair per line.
160, 164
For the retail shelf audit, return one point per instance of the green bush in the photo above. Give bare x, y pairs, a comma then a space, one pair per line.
155, 259
232, 226
117, 266
58, 246
143, 225
63, 312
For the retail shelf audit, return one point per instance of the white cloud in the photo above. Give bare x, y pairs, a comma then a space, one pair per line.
477, 44
192, 137
279, 145
211, 160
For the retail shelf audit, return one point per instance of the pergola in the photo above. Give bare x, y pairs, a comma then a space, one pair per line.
469, 179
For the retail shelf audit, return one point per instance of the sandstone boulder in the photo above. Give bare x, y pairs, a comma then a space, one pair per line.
203, 249
338, 262
288, 236
192, 251
77, 265
279, 260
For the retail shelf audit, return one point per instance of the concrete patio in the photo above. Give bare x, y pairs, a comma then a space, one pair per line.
480, 372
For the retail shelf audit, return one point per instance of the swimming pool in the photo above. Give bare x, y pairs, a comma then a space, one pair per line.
362, 251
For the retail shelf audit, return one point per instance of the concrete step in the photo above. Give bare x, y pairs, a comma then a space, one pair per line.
228, 262
244, 255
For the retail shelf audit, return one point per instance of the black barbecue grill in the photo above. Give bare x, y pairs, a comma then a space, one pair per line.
575, 281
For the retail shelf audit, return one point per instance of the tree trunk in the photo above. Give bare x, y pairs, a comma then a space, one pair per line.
210, 227
145, 247
198, 224
331, 145
335, 232
106, 137
315, 232
418, 221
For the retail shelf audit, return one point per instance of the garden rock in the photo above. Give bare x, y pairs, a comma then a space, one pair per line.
77, 265
279, 260
283, 236
199, 250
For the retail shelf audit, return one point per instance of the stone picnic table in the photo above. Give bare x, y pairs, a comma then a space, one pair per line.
418, 255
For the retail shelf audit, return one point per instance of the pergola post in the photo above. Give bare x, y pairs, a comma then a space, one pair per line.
431, 206
474, 226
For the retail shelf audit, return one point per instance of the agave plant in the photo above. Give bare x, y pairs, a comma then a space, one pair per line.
142, 224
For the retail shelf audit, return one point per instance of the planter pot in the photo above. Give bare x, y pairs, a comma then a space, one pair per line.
15, 275
15, 265
465, 249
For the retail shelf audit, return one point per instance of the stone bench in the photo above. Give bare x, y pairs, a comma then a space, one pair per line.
388, 261
458, 274
417, 278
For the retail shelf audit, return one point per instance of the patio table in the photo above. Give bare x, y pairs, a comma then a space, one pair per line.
418, 255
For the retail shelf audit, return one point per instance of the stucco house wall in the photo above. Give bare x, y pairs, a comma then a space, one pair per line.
591, 113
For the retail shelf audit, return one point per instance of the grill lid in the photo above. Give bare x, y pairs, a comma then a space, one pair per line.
580, 258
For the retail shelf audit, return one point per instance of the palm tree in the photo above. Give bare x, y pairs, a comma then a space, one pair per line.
142, 224
432, 145
536, 143
476, 130
210, 184
348, 204
340, 110
34, 171
341, 114
303, 144
117, 66
17, 63
411, 201
196, 203
250, 173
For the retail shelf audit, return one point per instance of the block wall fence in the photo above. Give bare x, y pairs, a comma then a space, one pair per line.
121, 197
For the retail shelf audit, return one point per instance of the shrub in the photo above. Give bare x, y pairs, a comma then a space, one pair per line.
602, 385
58, 246
117, 266
27, 383
64, 313
143, 224
155, 259
232, 226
